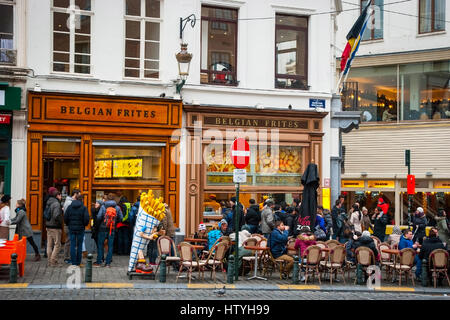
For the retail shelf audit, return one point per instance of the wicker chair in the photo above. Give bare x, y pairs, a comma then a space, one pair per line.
336, 262
187, 253
257, 236
270, 264
216, 257
405, 264
250, 260
312, 255
333, 243
165, 245
376, 240
386, 260
291, 247
364, 257
324, 255
438, 263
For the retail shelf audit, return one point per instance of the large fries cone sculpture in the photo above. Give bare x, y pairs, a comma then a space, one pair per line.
151, 212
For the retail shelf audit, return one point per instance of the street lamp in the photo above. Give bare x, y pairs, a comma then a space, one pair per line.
184, 57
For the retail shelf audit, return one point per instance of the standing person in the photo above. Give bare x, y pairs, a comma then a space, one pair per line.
328, 222
267, 219
290, 220
54, 226
356, 218
442, 227
23, 228
231, 224
5, 216
278, 241
123, 228
419, 225
76, 217
253, 216
107, 217
167, 223
381, 220
320, 230
337, 222
67, 248
366, 222
94, 223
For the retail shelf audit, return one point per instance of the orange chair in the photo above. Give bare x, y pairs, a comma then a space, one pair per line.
17, 247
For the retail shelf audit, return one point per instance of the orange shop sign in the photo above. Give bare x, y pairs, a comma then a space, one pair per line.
352, 184
380, 184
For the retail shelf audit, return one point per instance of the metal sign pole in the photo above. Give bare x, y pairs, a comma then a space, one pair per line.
236, 229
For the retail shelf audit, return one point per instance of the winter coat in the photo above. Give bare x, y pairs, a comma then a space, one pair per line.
337, 225
267, 220
366, 223
67, 203
383, 207
278, 241
133, 213
213, 235
428, 245
5, 217
291, 223
281, 216
167, 224
419, 223
232, 218
94, 224
328, 223
23, 228
76, 216
405, 243
321, 223
303, 242
253, 216
355, 221
441, 225
367, 242
56, 221
379, 228
102, 212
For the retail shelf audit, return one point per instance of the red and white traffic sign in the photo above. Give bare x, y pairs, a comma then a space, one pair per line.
240, 153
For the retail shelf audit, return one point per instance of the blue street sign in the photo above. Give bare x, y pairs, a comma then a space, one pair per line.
317, 103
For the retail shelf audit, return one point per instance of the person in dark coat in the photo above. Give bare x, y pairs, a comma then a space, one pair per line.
419, 225
76, 218
94, 223
310, 181
366, 241
337, 222
290, 220
231, 224
381, 220
253, 216
431, 243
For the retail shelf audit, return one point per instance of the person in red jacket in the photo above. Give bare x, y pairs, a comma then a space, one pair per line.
383, 205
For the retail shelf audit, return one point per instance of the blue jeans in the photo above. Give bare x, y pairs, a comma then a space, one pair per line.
123, 240
102, 235
418, 264
76, 247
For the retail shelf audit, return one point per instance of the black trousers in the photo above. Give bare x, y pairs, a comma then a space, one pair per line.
33, 244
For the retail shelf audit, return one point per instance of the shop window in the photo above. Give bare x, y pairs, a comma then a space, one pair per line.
117, 164
269, 166
374, 29
72, 36
291, 58
130, 194
431, 16
219, 46
142, 38
7, 52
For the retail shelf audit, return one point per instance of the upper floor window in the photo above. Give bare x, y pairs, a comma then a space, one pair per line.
72, 36
374, 28
291, 52
431, 15
142, 38
219, 46
7, 52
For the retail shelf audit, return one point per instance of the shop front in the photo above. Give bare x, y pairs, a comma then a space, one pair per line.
282, 143
100, 145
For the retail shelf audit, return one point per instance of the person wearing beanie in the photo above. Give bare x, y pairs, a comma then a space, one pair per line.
201, 232
419, 225
367, 241
54, 226
381, 220
394, 237
5, 216
224, 228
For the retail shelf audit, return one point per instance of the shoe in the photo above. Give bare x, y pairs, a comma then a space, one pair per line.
37, 257
302, 278
96, 265
107, 266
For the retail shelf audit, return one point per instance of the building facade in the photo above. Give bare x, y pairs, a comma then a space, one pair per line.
400, 82
100, 110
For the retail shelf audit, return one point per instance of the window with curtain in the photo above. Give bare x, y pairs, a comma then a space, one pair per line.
374, 29
7, 32
291, 52
431, 16
142, 38
72, 36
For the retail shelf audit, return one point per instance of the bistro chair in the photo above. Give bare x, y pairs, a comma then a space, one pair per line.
438, 263
365, 258
376, 240
187, 256
249, 260
216, 258
165, 246
324, 255
257, 236
405, 264
386, 260
311, 263
270, 264
291, 247
336, 262
333, 243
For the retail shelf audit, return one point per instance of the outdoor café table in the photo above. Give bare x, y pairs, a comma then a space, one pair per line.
195, 240
394, 252
256, 249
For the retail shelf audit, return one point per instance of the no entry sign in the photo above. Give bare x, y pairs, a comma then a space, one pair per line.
240, 153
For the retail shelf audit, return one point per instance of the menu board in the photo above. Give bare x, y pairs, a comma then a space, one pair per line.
102, 168
283, 160
127, 168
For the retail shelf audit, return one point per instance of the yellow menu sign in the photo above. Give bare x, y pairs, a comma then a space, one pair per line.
381, 184
127, 168
352, 184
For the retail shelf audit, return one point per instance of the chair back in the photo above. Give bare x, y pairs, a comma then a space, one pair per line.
250, 242
291, 247
332, 243
313, 254
384, 256
338, 255
186, 251
226, 240
323, 245
364, 256
376, 240
257, 236
395, 246
262, 243
439, 258
407, 257
164, 245
220, 250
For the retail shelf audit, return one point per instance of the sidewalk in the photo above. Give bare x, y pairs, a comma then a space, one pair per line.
39, 276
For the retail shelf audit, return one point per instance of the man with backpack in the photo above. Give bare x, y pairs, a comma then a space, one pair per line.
108, 216
54, 223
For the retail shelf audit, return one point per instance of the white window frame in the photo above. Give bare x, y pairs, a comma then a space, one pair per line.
72, 12
142, 19
13, 4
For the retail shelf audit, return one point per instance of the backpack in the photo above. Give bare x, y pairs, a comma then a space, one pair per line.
47, 213
127, 207
110, 218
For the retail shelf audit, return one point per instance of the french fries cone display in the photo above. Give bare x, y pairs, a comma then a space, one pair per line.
151, 212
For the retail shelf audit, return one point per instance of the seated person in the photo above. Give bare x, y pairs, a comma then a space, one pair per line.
351, 247
432, 242
244, 234
213, 236
277, 242
305, 239
367, 241
223, 225
201, 232
406, 242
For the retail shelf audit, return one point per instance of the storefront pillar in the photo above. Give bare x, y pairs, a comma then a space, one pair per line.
398, 202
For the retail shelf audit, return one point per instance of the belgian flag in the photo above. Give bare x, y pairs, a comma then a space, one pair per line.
353, 39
